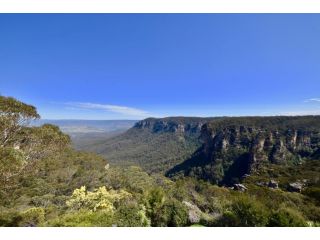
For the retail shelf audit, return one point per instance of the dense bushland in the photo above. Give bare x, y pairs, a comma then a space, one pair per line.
44, 182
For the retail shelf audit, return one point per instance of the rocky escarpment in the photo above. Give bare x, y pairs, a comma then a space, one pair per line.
155, 144
180, 125
233, 147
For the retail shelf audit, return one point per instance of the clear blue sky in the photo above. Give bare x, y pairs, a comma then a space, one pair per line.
122, 66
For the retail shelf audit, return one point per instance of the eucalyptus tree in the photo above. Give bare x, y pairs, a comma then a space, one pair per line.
21, 146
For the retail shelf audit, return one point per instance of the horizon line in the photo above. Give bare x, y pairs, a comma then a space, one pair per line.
221, 116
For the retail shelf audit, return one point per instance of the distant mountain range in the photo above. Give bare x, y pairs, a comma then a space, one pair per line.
85, 126
84, 132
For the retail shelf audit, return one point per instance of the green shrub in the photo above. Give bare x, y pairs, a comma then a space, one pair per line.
228, 219
131, 215
165, 212
176, 214
287, 217
9, 218
245, 212
154, 200
83, 218
313, 192
32, 217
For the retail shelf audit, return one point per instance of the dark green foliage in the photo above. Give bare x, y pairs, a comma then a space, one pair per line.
164, 211
282, 123
30, 217
246, 212
155, 200
9, 218
176, 214
228, 219
131, 214
313, 192
286, 217
228, 167
154, 152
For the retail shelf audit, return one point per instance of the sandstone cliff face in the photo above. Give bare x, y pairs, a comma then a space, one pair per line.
262, 144
174, 125
232, 149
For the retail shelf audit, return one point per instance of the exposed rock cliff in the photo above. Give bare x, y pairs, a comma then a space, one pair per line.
180, 125
233, 147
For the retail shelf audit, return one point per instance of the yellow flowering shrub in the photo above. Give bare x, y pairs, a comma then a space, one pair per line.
101, 198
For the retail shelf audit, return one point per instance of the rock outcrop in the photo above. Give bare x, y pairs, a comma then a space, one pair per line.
273, 184
173, 124
233, 147
295, 187
194, 213
240, 187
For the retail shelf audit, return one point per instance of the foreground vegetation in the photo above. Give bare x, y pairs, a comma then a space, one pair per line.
44, 182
